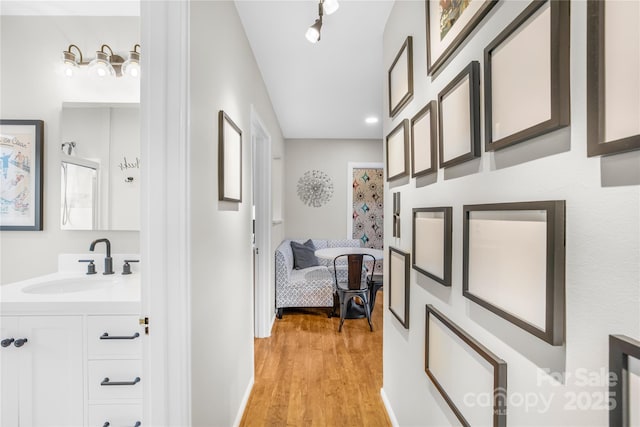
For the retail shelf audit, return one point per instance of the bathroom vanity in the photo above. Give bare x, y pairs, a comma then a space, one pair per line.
71, 347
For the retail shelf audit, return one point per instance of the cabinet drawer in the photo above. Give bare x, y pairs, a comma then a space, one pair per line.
117, 371
114, 337
115, 415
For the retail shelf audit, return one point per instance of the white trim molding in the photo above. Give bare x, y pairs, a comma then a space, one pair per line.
243, 404
389, 409
165, 227
350, 167
260, 137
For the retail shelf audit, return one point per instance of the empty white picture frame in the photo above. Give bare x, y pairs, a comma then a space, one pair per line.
528, 95
401, 78
229, 159
459, 366
431, 245
613, 77
399, 285
424, 134
624, 381
397, 151
514, 263
459, 118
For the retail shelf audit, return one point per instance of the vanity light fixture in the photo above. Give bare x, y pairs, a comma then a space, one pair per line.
106, 63
131, 66
324, 6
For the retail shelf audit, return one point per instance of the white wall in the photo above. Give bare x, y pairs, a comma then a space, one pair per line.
224, 76
330, 156
602, 246
33, 87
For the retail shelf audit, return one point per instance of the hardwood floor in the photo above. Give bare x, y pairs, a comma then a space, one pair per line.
309, 374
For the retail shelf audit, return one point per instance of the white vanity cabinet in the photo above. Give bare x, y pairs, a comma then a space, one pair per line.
42, 379
114, 371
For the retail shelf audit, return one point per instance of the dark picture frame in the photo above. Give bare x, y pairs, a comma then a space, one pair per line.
596, 83
400, 96
418, 141
403, 317
499, 391
445, 243
553, 287
397, 151
229, 159
558, 100
22, 145
472, 73
621, 348
432, 9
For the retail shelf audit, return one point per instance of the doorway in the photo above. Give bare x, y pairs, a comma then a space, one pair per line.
261, 200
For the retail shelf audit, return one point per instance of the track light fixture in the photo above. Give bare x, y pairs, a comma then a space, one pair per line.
105, 64
325, 6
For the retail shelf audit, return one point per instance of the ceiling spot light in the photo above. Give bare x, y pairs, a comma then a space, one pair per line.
313, 32
330, 6
131, 66
371, 120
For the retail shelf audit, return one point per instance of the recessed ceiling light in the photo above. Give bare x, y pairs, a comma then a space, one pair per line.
371, 120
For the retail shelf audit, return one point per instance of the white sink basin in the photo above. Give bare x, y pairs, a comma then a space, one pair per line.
70, 285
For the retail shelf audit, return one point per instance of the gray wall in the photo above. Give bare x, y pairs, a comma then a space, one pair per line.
34, 88
602, 245
330, 156
224, 76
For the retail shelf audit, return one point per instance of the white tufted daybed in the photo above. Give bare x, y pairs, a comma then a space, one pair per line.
308, 287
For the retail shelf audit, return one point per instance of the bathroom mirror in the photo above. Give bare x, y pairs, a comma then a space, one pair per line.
100, 166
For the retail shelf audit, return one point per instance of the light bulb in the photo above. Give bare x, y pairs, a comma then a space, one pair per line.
100, 67
330, 6
313, 32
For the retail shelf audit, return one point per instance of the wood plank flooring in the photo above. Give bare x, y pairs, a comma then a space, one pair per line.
309, 374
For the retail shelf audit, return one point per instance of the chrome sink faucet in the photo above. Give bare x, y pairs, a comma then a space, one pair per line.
108, 261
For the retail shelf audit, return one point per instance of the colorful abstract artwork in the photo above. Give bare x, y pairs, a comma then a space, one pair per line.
450, 11
368, 208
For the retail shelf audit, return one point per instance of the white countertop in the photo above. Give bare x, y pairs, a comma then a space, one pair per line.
104, 294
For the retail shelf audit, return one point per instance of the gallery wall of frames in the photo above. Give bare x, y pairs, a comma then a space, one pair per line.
512, 154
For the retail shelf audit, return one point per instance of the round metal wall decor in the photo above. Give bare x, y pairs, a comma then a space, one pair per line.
315, 188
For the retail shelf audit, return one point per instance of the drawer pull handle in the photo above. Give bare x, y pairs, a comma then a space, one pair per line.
20, 342
106, 336
6, 342
106, 381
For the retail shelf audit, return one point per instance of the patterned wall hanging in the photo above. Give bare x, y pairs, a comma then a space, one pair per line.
315, 188
368, 208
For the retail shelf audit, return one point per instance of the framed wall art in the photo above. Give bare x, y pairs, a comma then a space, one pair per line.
399, 285
528, 95
424, 134
449, 23
229, 159
458, 366
613, 77
514, 263
401, 78
398, 151
459, 118
431, 246
21, 177
624, 381
396, 214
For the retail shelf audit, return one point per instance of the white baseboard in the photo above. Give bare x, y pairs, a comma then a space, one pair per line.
387, 406
243, 404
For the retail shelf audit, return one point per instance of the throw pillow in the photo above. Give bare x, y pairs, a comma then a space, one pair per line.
304, 255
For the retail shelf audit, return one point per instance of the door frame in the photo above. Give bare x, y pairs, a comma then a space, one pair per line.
264, 313
165, 206
350, 167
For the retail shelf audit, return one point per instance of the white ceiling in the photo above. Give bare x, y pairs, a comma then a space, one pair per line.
323, 90
326, 89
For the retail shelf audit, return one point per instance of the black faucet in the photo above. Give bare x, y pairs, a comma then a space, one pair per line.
108, 261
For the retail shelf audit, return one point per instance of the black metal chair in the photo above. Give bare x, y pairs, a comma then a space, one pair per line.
375, 284
356, 284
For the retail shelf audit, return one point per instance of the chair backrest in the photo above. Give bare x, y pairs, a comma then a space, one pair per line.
355, 263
